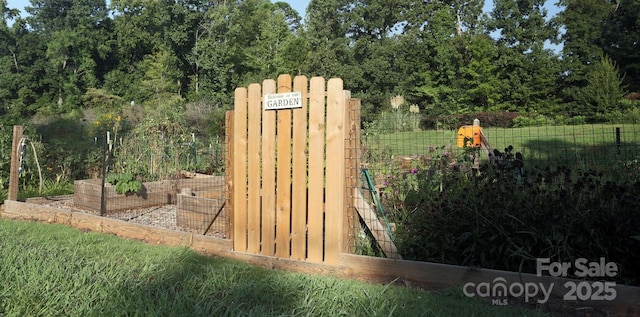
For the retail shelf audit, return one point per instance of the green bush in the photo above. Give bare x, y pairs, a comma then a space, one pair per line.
532, 121
576, 120
502, 119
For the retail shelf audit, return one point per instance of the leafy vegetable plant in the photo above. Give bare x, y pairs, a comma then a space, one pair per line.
125, 183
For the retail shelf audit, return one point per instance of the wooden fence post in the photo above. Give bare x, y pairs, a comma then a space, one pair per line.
352, 170
15, 163
228, 172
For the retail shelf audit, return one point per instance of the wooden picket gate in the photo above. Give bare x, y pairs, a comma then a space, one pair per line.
289, 175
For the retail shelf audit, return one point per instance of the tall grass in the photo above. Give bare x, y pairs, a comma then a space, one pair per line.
54, 270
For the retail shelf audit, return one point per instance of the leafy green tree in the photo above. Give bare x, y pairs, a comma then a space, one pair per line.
372, 68
265, 56
139, 31
619, 40
292, 18
477, 78
77, 41
214, 56
24, 81
526, 67
467, 15
435, 85
161, 84
9, 66
604, 92
136, 30
326, 27
582, 21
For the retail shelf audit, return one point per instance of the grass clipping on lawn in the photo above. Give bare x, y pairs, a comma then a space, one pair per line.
54, 270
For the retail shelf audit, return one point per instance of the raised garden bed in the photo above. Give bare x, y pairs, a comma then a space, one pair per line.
202, 211
87, 193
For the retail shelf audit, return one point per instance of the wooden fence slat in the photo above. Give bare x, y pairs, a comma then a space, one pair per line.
336, 100
268, 173
299, 179
240, 170
316, 169
283, 174
253, 156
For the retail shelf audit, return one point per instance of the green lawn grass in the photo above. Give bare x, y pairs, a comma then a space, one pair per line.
54, 270
593, 145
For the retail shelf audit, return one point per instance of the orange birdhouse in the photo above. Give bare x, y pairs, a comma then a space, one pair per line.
472, 134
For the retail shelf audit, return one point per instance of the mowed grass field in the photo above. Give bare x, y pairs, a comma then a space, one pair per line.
593, 145
54, 270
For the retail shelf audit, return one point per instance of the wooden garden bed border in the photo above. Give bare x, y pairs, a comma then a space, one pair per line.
380, 270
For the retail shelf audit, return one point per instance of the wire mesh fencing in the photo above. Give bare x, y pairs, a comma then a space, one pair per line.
163, 177
407, 178
421, 183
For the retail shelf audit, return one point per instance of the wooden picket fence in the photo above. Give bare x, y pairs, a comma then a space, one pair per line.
292, 170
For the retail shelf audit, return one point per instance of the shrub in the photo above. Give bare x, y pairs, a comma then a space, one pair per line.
633, 116
487, 119
576, 120
532, 121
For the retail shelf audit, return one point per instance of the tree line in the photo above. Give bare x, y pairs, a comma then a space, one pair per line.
448, 57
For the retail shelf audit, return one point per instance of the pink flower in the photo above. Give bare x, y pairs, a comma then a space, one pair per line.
414, 170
